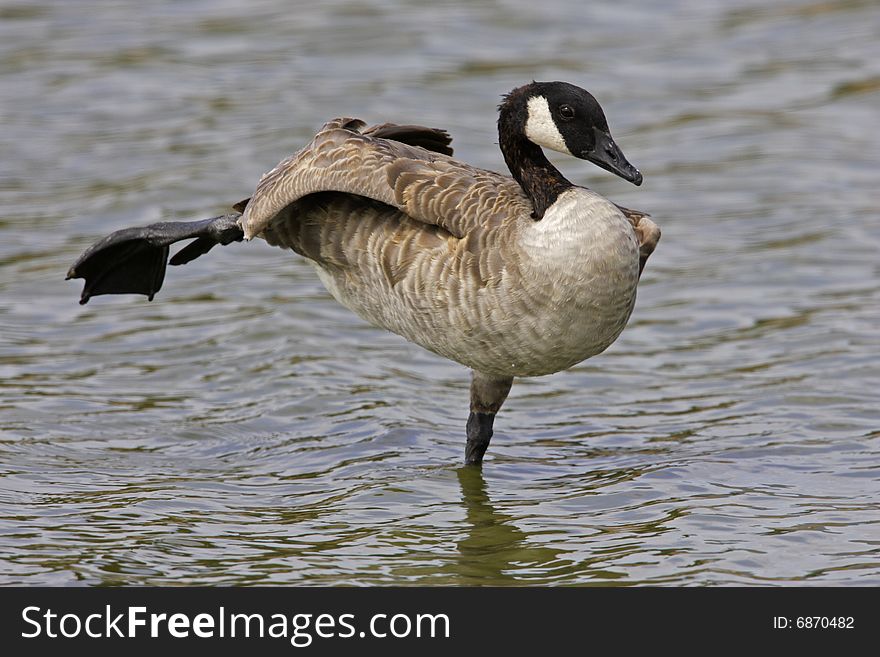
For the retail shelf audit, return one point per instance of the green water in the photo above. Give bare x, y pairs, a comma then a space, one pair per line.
243, 428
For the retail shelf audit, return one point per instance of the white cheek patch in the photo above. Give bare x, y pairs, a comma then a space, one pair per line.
541, 128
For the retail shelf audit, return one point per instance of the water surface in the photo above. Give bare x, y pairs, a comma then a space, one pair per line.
245, 429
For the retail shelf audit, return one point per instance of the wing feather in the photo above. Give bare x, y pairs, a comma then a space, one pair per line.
429, 186
647, 233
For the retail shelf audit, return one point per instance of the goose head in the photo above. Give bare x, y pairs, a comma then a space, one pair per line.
565, 118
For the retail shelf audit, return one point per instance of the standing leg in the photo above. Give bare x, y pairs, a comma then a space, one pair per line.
487, 395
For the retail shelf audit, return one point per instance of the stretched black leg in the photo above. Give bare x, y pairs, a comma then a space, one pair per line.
487, 395
132, 260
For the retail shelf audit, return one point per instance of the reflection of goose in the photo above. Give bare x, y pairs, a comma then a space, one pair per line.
510, 277
495, 549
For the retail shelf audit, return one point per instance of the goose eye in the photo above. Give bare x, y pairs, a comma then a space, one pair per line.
566, 112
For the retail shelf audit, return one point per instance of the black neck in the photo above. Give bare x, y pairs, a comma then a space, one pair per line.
539, 179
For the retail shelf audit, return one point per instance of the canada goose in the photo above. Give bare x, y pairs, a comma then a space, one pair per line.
511, 277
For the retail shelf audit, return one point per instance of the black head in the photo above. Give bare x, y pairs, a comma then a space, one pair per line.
566, 118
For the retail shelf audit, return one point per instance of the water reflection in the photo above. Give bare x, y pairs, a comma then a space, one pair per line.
243, 428
494, 551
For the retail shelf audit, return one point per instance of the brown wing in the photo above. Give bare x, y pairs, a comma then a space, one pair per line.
432, 139
430, 187
647, 232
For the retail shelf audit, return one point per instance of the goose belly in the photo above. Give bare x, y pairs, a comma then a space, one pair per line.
519, 324
530, 331
511, 301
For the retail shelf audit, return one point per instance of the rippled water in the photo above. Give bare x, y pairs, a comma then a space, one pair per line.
244, 428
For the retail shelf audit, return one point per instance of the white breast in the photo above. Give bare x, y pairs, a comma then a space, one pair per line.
581, 271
